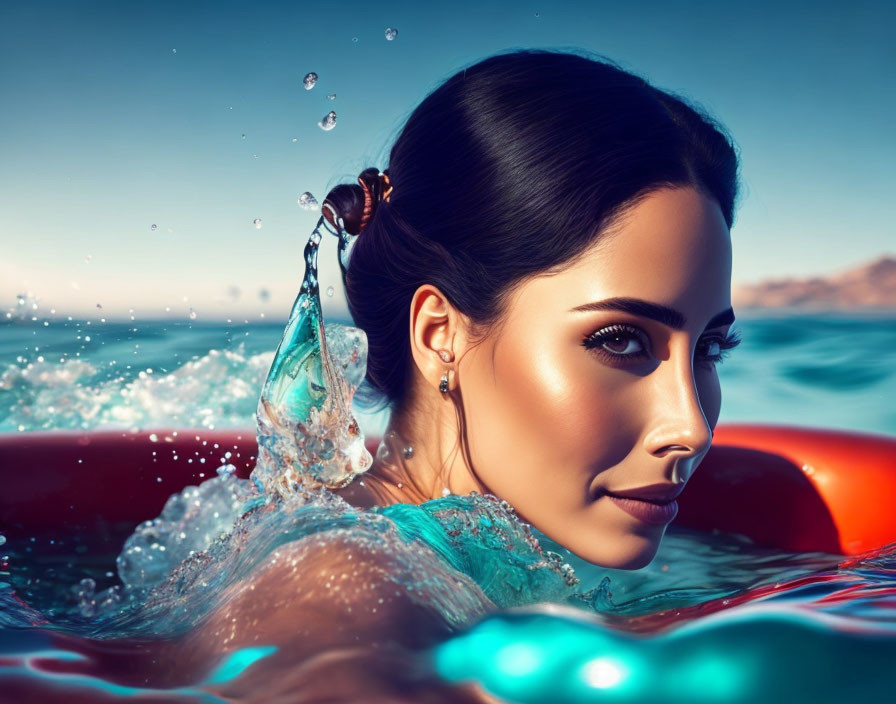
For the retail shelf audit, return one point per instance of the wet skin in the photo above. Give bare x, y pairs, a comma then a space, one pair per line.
552, 425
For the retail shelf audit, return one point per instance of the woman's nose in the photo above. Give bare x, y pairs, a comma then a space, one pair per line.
677, 421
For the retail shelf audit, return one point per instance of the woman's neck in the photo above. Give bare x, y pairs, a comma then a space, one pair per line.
419, 458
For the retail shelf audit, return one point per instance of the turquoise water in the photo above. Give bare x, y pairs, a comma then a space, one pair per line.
835, 371
712, 619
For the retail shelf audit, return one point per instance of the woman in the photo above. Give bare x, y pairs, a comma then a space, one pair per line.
543, 276
545, 291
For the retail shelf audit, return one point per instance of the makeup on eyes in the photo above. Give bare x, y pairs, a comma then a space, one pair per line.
623, 334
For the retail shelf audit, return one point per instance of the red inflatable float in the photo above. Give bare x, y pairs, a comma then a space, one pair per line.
798, 489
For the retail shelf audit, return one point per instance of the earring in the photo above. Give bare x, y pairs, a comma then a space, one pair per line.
443, 383
445, 355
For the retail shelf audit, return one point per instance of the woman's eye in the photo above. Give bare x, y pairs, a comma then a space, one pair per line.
712, 350
626, 343
622, 344
617, 342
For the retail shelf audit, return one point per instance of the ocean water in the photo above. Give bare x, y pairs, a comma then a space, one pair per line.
712, 619
820, 370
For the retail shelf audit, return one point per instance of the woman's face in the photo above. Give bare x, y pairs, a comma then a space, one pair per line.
601, 381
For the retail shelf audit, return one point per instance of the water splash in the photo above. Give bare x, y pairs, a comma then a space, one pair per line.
308, 201
213, 535
217, 389
310, 80
328, 121
305, 426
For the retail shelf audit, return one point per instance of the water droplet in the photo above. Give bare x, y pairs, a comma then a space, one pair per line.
309, 80
391, 33
192, 314
174, 51
242, 136
408, 452
2, 539
264, 294
308, 201
89, 257
257, 223
99, 305
331, 96
328, 121
153, 437
294, 140
537, 14
446, 491
154, 227
330, 291
354, 39
255, 156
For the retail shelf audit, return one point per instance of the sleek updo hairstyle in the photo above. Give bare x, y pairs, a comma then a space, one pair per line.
512, 167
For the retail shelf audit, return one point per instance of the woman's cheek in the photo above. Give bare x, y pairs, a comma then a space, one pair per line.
532, 414
570, 411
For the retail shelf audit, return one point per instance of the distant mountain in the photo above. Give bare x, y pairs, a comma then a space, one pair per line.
870, 286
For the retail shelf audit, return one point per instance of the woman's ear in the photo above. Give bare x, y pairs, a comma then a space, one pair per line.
437, 332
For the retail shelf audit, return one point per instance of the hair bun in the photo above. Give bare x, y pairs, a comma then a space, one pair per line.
356, 205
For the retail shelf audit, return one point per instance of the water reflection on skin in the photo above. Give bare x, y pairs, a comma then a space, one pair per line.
552, 421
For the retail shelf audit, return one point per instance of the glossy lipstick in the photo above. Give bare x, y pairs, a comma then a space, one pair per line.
648, 511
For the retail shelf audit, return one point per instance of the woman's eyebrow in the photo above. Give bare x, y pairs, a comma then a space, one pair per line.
663, 314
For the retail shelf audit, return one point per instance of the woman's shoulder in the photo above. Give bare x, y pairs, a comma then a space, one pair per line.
478, 535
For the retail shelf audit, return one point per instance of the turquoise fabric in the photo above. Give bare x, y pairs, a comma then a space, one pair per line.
481, 536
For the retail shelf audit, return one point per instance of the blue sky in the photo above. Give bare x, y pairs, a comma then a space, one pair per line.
117, 116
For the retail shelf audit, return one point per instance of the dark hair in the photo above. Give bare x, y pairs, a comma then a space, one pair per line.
511, 167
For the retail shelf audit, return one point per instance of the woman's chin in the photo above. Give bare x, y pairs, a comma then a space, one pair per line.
630, 552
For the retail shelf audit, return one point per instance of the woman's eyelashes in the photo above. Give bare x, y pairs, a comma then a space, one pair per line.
714, 348
621, 343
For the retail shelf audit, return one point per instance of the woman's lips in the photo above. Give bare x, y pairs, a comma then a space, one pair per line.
653, 512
